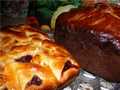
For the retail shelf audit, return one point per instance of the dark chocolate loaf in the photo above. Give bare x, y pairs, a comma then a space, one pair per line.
92, 35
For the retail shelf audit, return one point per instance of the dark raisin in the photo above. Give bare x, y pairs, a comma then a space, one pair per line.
5, 88
24, 59
68, 65
35, 81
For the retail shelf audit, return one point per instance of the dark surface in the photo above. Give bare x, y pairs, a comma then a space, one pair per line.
11, 21
13, 12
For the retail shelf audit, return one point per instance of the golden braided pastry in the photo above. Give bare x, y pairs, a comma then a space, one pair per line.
29, 60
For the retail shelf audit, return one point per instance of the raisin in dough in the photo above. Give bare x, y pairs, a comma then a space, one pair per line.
29, 60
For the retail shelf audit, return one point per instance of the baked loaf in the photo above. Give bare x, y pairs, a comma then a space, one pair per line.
92, 35
29, 60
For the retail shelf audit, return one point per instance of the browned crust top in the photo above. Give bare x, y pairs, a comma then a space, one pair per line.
101, 18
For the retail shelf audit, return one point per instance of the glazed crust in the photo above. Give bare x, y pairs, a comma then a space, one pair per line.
29, 60
92, 35
100, 18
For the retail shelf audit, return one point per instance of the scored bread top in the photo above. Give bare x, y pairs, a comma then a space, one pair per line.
29, 60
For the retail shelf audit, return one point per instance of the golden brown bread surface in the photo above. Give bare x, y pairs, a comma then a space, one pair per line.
29, 60
92, 35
